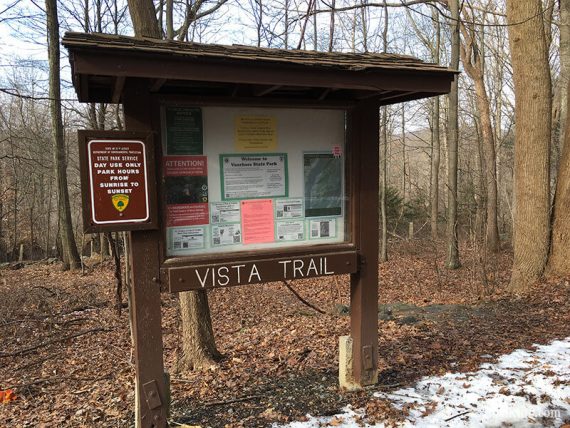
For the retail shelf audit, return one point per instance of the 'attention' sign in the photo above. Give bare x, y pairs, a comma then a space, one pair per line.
118, 181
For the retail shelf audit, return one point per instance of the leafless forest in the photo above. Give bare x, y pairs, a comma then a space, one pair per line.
475, 186
418, 139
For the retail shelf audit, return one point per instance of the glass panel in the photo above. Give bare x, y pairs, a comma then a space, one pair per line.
252, 178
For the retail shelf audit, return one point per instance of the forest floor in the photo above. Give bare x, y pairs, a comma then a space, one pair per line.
66, 352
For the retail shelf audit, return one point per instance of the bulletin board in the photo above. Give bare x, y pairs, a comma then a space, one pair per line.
240, 178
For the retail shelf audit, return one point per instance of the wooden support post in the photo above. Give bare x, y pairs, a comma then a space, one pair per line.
363, 133
151, 391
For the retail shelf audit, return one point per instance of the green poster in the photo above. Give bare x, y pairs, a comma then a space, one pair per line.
323, 184
184, 133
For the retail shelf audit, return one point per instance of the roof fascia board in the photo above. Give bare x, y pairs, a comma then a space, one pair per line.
99, 62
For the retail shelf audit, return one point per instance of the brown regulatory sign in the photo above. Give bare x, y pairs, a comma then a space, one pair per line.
117, 186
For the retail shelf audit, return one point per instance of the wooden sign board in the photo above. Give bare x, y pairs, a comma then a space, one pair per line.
117, 181
207, 276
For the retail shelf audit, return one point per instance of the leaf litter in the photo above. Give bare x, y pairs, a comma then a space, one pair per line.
67, 356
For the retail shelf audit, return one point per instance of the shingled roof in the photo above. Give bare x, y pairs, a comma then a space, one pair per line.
101, 63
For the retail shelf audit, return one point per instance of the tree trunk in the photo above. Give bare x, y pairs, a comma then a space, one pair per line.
490, 163
564, 70
144, 19
531, 75
103, 248
452, 145
384, 183
435, 137
434, 176
384, 157
559, 263
198, 345
480, 194
70, 254
472, 55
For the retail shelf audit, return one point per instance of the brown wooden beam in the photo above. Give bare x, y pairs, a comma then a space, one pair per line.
410, 97
370, 94
324, 94
118, 89
397, 95
158, 83
258, 101
83, 92
363, 133
259, 92
170, 67
260, 270
151, 390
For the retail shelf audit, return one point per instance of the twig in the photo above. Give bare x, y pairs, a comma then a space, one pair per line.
60, 379
375, 388
388, 385
49, 342
36, 362
395, 235
178, 379
457, 415
235, 400
417, 397
51, 292
303, 300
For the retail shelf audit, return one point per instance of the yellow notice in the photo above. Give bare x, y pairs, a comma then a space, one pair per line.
255, 133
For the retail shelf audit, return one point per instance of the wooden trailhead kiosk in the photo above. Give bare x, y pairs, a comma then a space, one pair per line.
239, 165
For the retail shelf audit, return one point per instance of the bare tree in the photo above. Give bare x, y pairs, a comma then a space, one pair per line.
144, 18
531, 75
472, 56
70, 254
559, 262
198, 346
452, 144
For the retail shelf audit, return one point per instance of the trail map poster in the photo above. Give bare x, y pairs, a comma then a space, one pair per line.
254, 176
184, 131
323, 184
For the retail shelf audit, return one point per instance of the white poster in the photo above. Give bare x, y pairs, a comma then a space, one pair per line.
292, 230
254, 176
289, 208
226, 234
225, 212
186, 238
322, 228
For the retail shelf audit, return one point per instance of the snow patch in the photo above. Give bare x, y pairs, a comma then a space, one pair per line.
527, 388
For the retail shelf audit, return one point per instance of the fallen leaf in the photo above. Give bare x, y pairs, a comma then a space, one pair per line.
7, 396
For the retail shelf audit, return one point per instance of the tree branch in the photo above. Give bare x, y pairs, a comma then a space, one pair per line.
300, 298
